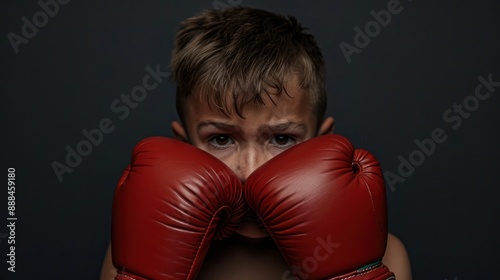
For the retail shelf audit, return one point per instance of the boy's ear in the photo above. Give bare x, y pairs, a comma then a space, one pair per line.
327, 126
179, 131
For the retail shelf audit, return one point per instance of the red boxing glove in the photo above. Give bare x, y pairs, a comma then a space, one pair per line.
324, 205
168, 206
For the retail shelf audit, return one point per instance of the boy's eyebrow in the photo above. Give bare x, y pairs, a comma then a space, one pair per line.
267, 127
283, 127
218, 125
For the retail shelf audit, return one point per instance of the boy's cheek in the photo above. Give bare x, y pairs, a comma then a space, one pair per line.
224, 155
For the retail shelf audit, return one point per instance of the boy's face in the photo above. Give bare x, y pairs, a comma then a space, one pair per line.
265, 131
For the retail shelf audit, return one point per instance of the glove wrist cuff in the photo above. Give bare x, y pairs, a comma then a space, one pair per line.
374, 271
125, 276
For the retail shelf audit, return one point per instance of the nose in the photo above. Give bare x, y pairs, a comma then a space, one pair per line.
249, 159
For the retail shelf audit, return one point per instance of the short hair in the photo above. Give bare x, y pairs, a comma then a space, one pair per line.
245, 52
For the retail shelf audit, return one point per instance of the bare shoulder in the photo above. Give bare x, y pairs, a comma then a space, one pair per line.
108, 271
396, 258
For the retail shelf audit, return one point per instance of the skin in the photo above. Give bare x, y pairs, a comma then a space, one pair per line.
244, 144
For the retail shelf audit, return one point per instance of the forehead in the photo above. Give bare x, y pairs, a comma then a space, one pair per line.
292, 104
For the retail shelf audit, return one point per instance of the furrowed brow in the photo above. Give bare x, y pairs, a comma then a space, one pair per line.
284, 127
218, 125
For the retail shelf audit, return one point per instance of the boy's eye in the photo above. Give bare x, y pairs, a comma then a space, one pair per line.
221, 141
283, 140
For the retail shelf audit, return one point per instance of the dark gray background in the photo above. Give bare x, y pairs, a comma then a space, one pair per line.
393, 92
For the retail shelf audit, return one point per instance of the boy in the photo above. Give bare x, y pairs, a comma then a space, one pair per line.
250, 84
